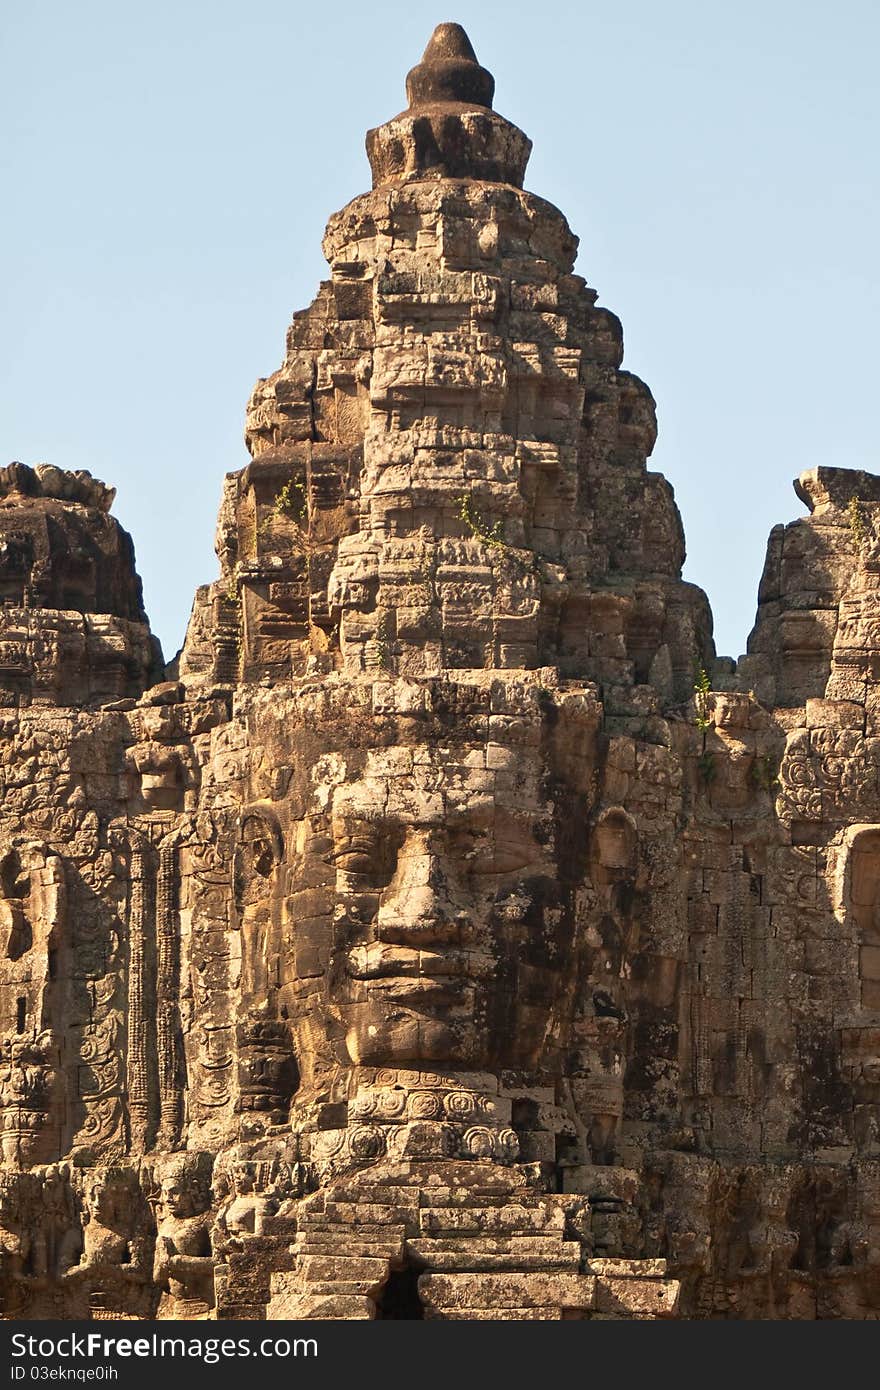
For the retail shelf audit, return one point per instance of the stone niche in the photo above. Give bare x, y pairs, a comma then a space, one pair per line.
861, 902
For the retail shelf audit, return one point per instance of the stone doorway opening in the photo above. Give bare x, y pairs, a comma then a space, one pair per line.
399, 1298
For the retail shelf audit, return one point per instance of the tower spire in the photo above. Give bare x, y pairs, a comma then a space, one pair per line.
449, 72
449, 130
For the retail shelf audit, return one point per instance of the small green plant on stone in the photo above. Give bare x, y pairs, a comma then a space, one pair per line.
233, 598
383, 632
765, 773
856, 518
477, 524
706, 768
422, 573
290, 500
702, 697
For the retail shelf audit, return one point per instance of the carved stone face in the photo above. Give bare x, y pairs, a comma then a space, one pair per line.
731, 711
107, 1202
177, 1198
243, 1179
447, 934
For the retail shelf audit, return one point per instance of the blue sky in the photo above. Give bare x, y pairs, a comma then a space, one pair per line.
167, 171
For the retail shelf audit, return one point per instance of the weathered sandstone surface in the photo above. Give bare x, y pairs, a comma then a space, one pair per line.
447, 933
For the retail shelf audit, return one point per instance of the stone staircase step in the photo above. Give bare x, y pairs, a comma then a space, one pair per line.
465, 1292
370, 1213
342, 1230
518, 1245
345, 1248
324, 1288
327, 1267
484, 1194
496, 1315
322, 1307
462, 1220
378, 1194
459, 1262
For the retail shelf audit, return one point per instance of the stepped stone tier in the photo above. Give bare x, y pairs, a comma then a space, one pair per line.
447, 934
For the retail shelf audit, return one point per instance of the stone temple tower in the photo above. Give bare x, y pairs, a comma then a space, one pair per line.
449, 934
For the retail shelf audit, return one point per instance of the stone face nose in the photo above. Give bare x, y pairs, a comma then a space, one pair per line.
449, 72
420, 917
423, 910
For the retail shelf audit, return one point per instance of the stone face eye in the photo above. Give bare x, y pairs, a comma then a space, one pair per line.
354, 861
496, 856
366, 852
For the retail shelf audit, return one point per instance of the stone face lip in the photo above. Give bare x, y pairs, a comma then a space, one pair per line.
449, 72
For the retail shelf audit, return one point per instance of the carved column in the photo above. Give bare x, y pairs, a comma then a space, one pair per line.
700, 1035
137, 1078
167, 982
